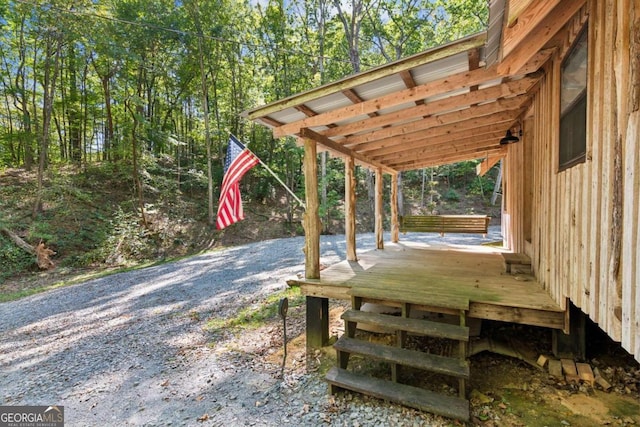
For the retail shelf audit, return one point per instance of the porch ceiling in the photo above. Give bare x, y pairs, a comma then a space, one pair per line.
444, 105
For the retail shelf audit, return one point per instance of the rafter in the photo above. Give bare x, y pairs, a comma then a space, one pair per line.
489, 137
509, 89
452, 145
476, 112
469, 128
447, 159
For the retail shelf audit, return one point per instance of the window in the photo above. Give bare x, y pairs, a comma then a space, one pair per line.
573, 105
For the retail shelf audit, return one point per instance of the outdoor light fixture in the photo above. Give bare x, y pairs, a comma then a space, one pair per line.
509, 138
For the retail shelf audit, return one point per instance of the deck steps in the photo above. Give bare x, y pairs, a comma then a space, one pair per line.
414, 397
404, 357
398, 357
414, 326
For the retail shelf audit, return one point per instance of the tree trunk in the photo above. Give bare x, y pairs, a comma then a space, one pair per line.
54, 45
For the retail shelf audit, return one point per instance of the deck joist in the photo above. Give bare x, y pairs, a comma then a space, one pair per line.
441, 279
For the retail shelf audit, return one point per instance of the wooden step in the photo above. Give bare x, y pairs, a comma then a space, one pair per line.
424, 400
402, 356
519, 261
416, 326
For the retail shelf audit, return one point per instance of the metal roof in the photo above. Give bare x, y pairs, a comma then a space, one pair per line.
439, 106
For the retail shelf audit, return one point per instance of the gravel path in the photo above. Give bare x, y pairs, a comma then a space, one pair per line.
129, 349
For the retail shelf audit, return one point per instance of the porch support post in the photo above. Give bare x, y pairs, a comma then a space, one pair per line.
317, 308
379, 211
350, 208
395, 227
311, 218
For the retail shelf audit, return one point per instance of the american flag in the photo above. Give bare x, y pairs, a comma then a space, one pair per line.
238, 161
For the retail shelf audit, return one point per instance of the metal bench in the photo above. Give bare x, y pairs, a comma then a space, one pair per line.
445, 224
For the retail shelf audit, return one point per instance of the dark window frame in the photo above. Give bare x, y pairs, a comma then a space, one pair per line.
572, 147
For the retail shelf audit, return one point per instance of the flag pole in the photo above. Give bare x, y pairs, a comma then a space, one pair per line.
275, 176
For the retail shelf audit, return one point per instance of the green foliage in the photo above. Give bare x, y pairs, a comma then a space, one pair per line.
451, 195
482, 186
13, 260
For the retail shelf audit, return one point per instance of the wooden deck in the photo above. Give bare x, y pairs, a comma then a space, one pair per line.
441, 279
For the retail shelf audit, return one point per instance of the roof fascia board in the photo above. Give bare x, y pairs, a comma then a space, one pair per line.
537, 37
472, 42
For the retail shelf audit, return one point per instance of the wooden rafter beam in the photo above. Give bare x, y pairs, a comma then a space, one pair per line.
509, 89
446, 159
430, 122
465, 79
436, 87
306, 110
538, 36
488, 163
484, 136
451, 146
470, 127
353, 97
409, 82
341, 150
270, 122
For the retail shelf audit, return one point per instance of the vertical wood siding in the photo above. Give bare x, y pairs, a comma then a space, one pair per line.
584, 221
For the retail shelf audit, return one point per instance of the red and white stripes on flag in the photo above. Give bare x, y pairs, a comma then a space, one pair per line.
238, 161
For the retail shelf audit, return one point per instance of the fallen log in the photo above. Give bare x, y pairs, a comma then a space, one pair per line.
41, 252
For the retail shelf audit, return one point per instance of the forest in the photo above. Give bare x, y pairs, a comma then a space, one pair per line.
115, 115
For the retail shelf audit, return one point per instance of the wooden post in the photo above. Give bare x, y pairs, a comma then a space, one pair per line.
317, 308
317, 322
311, 219
378, 211
350, 208
395, 227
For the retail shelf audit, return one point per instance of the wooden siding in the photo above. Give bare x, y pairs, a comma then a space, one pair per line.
580, 225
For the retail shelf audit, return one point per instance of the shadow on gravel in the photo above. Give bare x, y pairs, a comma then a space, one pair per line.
129, 348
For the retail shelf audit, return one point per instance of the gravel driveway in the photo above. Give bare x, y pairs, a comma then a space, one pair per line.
125, 349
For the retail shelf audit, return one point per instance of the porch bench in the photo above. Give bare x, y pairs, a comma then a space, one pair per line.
445, 224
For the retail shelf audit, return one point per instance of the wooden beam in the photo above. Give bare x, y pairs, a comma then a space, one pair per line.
453, 132
488, 163
508, 89
472, 42
269, 121
445, 160
498, 107
353, 97
317, 322
538, 36
527, 19
311, 220
379, 210
306, 110
395, 225
435, 87
516, 7
332, 145
474, 146
443, 148
350, 207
